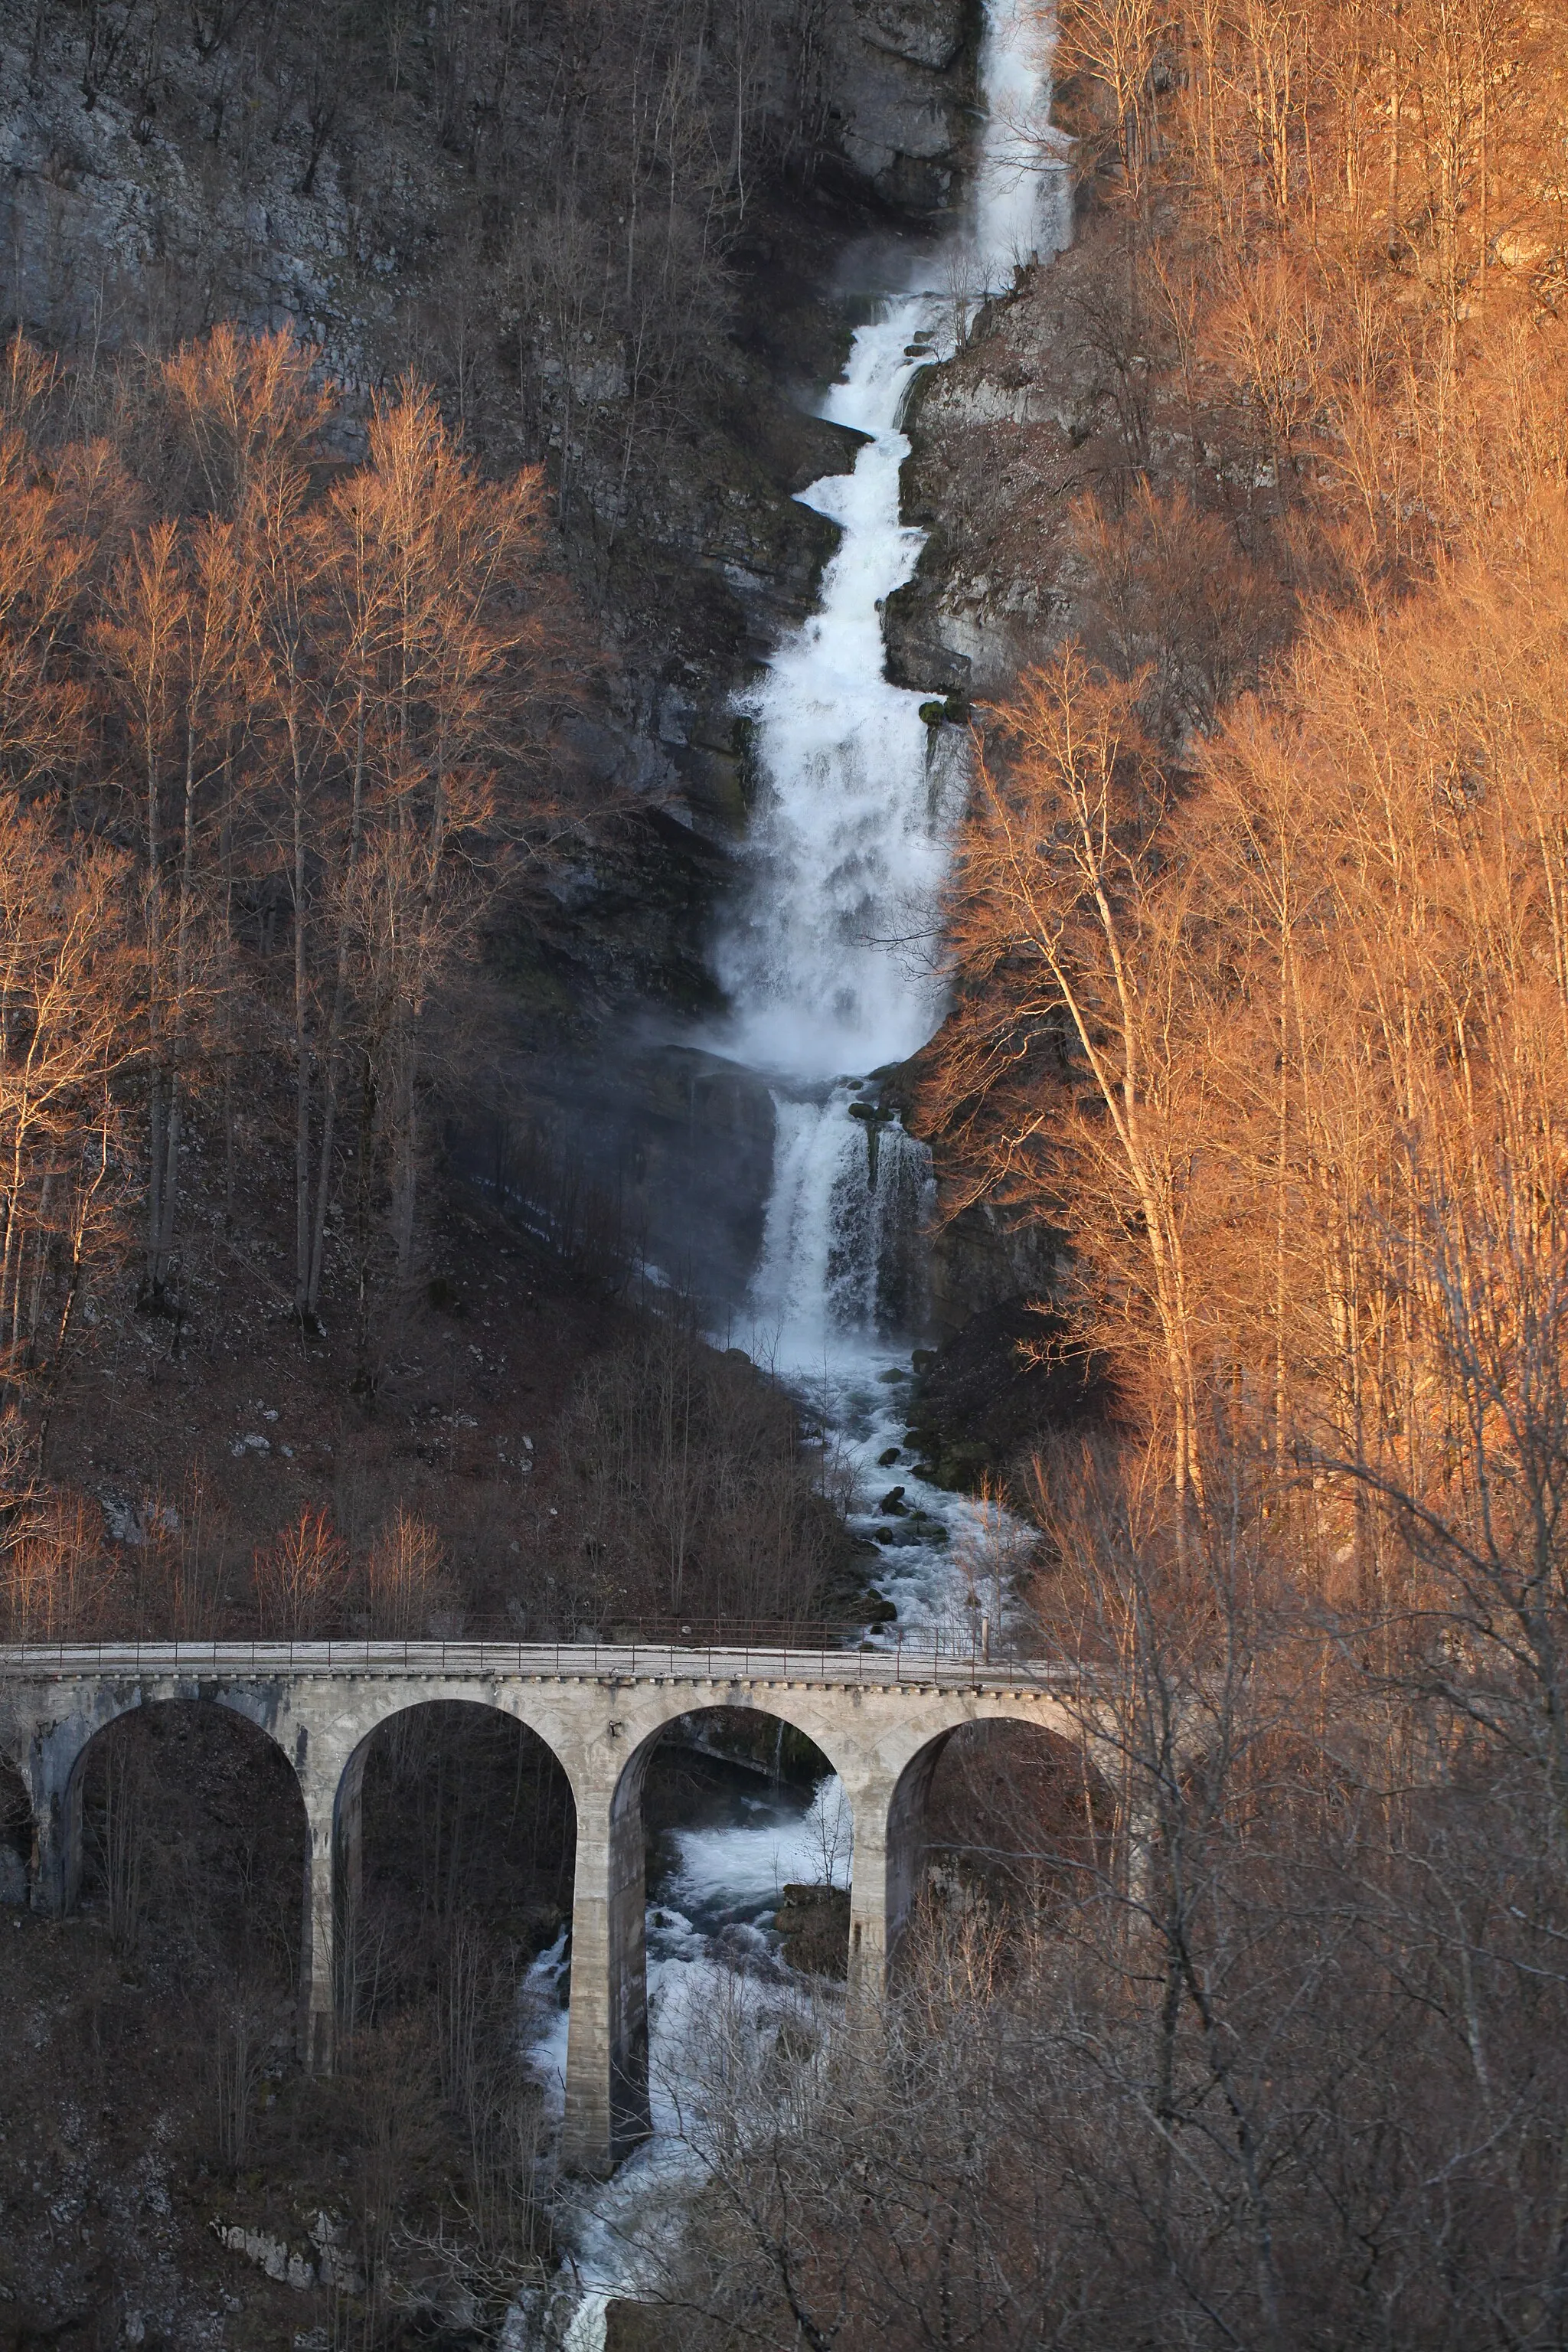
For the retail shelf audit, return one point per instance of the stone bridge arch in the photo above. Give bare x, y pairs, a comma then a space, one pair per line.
498, 1708
889, 1783
908, 1805
333, 1719
626, 1952
56, 1759
63, 1754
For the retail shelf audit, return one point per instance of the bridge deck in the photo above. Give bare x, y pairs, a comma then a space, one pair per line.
896, 1665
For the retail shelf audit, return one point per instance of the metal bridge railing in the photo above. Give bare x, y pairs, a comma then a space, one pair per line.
896, 1659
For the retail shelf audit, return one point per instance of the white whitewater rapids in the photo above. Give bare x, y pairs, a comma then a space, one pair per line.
831, 974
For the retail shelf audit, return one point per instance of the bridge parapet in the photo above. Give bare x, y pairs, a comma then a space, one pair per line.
916, 1662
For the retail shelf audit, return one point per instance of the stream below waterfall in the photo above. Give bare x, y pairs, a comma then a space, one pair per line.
830, 972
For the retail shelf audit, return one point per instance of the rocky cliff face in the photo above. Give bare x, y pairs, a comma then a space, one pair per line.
1005, 440
382, 191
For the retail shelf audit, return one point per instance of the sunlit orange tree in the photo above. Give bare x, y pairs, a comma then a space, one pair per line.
278, 725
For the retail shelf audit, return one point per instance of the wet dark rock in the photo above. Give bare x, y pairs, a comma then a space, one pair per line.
916, 658
814, 1922
909, 1535
981, 1261
677, 1144
851, 1598
733, 1740
924, 32
903, 98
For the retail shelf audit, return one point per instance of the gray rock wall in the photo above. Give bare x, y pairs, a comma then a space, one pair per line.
1006, 439
904, 100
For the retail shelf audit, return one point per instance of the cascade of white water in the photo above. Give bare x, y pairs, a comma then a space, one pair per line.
841, 1250
1021, 199
824, 970
829, 967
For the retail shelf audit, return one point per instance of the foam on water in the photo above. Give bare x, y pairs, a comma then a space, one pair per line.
715, 1985
843, 1263
738, 1873
1022, 197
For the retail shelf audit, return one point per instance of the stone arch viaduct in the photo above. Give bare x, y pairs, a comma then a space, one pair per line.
881, 1717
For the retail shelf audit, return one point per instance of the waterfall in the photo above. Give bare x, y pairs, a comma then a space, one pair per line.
842, 1245
830, 965
831, 974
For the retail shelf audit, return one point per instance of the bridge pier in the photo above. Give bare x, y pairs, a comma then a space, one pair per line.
318, 1959
348, 1891
888, 1810
879, 1871
56, 1832
608, 2106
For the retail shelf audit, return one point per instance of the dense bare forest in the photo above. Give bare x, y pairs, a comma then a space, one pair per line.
1255, 985
278, 953
283, 731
